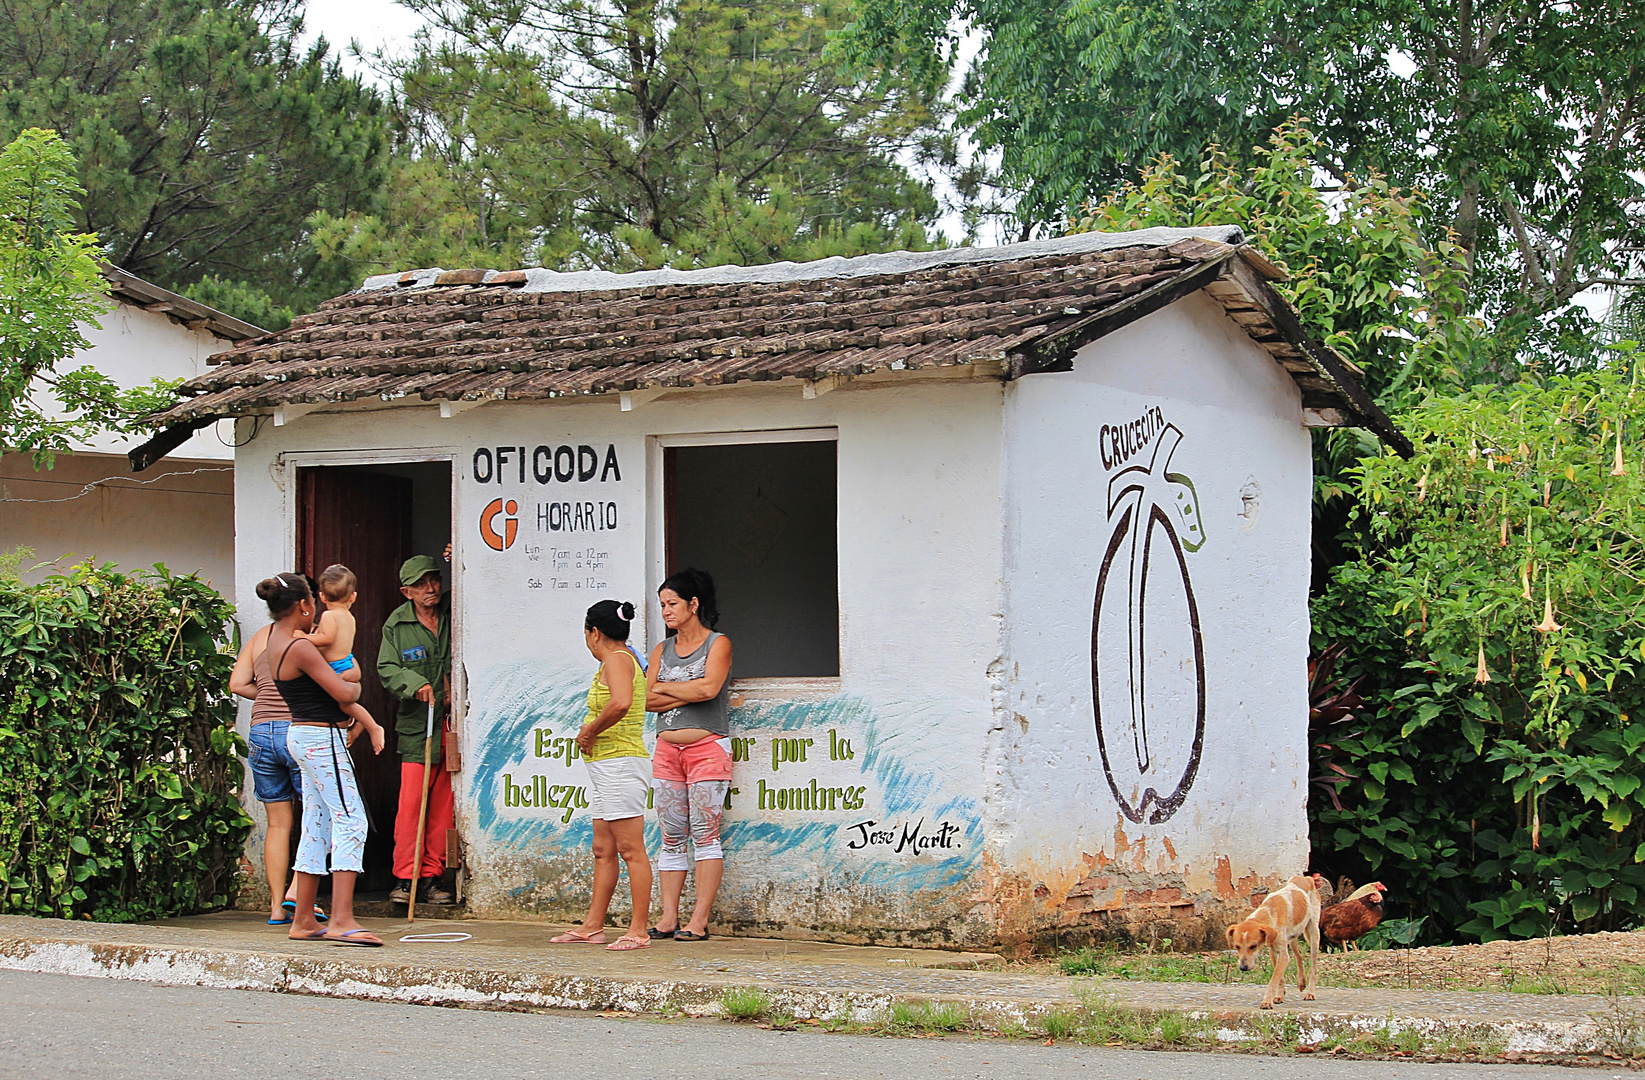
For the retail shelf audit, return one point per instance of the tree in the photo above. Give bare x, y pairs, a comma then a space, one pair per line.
634, 133
1362, 275
205, 136
50, 284
1522, 120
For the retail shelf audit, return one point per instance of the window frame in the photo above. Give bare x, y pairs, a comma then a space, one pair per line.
781, 688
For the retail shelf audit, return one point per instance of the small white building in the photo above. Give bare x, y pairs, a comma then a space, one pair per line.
88, 505
1012, 545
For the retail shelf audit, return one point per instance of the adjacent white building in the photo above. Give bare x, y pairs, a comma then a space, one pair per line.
89, 505
1012, 546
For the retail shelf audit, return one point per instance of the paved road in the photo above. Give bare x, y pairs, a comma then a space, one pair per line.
59, 1026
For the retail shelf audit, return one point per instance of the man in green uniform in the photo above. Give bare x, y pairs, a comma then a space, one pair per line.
414, 663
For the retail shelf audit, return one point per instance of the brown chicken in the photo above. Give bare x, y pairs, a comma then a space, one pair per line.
1345, 923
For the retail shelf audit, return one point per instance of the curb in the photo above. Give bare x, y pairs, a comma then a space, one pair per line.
421, 984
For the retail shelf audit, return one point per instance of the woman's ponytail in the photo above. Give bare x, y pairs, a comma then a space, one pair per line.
610, 618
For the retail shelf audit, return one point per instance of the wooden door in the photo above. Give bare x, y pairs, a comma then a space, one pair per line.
362, 519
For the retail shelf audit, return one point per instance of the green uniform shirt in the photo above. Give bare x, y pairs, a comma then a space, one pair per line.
409, 659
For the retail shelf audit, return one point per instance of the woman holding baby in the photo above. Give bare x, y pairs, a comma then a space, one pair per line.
323, 705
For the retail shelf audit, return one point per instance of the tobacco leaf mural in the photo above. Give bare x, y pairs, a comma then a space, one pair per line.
1147, 654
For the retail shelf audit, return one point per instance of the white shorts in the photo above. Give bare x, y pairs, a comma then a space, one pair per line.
617, 787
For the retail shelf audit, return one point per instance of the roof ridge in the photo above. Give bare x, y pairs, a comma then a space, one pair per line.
538, 279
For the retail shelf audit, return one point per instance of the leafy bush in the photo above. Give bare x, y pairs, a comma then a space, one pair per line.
120, 767
1494, 778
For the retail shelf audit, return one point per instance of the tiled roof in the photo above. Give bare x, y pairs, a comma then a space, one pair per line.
133, 290
532, 334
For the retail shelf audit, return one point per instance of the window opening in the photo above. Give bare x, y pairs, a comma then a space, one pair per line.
762, 518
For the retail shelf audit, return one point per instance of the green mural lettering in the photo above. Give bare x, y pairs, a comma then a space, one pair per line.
537, 793
558, 749
791, 751
812, 798
839, 749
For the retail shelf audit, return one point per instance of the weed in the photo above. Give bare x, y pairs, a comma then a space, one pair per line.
1176, 1028
1279, 1029
1542, 984
1110, 963
947, 1016
925, 1016
1084, 962
904, 1016
1410, 1041
782, 1020
1621, 1029
745, 1002
1105, 1020
1061, 1023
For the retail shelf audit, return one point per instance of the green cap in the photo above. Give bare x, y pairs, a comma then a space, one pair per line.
418, 567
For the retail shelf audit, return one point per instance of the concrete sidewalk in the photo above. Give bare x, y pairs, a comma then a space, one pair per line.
510, 965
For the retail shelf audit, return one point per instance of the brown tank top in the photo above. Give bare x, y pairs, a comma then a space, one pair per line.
269, 704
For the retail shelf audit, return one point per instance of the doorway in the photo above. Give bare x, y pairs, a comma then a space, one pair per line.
371, 518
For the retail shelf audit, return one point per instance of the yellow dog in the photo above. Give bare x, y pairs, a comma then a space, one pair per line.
1282, 922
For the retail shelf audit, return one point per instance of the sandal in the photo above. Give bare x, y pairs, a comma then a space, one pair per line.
318, 935
347, 938
659, 935
291, 906
686, 935
281, 922
628, 944
572, 937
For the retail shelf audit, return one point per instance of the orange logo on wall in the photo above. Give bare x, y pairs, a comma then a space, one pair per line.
511, 527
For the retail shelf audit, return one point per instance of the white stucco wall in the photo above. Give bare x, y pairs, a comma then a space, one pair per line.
180, 512
1070, 854
132, 346
920, 580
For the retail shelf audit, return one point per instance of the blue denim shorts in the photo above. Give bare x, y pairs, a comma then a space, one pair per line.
273, 770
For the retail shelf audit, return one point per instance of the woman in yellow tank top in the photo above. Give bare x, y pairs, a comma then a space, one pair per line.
619, 777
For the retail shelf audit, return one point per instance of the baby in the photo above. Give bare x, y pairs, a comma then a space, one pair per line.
334, 637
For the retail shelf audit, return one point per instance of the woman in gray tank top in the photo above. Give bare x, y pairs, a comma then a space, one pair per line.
688, 685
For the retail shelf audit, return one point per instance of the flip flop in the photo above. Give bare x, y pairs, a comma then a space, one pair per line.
316, 936
345, 938
686, 935
628, 944
281, 922
571, 937
291, 906
659, 935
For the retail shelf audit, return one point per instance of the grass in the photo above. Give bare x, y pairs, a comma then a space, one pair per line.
1112, 963
1339, 971
923, 1017
1098, 1019
745, 1003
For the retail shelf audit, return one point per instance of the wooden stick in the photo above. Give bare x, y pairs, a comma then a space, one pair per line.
422, 812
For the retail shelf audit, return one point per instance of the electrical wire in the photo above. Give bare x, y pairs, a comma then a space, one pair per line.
256, 427
95, 484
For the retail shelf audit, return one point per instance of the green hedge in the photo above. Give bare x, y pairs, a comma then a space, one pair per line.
120, 769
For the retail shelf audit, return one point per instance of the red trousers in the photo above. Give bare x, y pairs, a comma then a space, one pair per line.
441, 816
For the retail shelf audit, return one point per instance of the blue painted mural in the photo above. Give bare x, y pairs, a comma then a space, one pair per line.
835, 787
